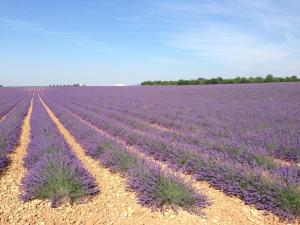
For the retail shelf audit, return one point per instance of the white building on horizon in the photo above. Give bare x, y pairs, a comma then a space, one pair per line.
120, 85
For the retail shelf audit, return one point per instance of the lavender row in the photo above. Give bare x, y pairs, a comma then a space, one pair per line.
223, 113
7, 94
54, 171
278, 139
228, 150
155, 141
268, 131
277, 194
10, 131
154, 188
9, 103
5, 108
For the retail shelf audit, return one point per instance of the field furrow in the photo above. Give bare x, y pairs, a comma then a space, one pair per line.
11, 208
53, 170
122, 204
10, 110
252, 185
155, 155
232, 123
227, 208
10, 131
119, 159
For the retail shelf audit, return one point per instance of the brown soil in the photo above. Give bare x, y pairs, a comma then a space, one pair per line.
156, 126
223, 210
284, 163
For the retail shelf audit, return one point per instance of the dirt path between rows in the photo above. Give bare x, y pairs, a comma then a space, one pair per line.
224, 209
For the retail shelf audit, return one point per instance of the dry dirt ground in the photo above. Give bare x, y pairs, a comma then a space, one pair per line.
115, 204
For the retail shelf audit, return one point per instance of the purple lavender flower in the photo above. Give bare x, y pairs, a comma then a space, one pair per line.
54, 172
242, 139
10, 128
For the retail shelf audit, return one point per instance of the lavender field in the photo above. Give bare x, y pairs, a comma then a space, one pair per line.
243, 140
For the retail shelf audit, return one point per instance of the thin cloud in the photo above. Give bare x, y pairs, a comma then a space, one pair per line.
15, 25
25, 26
245, 34
74, 39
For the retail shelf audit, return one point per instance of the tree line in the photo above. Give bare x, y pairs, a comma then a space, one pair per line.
219, 80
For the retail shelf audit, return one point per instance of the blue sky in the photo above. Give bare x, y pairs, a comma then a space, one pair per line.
107, 42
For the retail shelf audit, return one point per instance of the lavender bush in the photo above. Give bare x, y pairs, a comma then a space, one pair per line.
54, 172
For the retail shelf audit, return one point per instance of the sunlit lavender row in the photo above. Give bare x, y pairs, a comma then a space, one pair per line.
242, 139
9, 98
11, 125
54, 171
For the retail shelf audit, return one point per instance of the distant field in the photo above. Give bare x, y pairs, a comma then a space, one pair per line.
170, 148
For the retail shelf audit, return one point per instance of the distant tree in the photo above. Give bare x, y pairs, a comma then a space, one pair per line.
258, 80
237, 80
182, 82
201, 80
269, 78
147, 83
294, 79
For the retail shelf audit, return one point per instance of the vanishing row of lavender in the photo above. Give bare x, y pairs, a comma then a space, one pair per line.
9, 98
10, 131
7, 94
231, 179
289, 174
54, 172
154, 188
253, 159
267, 185
257, 118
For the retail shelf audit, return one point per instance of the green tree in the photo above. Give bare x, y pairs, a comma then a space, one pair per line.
269, 78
